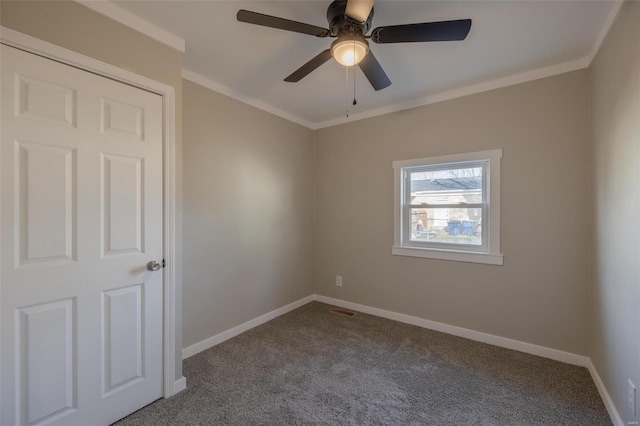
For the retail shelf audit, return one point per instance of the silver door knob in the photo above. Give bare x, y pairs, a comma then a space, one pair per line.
153, 266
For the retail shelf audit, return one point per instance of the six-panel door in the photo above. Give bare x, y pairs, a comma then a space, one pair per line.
81, 215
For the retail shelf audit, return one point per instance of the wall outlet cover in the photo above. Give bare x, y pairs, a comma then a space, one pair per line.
339, 280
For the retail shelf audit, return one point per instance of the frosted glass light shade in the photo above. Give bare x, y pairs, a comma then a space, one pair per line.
350, 51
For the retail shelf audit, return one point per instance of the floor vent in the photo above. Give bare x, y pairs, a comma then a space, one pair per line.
343, 312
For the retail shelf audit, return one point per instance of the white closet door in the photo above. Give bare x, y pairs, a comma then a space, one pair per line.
81, 216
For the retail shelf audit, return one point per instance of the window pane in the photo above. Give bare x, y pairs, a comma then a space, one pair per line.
447, 225
450, 186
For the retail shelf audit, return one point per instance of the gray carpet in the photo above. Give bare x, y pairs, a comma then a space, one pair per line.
313, 367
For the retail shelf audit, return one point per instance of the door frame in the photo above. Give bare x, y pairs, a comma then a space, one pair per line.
30, 44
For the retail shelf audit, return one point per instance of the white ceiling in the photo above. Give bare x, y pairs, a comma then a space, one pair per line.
506, 38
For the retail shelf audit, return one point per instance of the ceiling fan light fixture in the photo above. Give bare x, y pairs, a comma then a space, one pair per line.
349, 50
349, 21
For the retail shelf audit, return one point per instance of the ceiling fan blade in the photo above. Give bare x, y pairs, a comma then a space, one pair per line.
374, 72
428, 31
280, 23
314, 63
359, 10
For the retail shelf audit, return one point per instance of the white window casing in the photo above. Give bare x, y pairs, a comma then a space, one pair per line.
488, 251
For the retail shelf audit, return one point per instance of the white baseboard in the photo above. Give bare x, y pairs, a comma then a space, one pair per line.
179, 385
606, 398
478, 336
232, 332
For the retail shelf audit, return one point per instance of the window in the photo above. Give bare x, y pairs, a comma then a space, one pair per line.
449, 207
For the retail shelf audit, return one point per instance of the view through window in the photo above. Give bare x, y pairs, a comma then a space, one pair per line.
446, 205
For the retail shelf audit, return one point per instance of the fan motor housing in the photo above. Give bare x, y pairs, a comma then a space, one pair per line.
339, 22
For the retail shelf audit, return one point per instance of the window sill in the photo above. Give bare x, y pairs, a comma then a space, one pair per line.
459, 256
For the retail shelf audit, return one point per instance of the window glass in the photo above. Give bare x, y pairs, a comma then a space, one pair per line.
450, 186
447, 225
445, 205
448, 207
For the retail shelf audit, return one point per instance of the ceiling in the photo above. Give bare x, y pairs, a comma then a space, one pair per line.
506, 38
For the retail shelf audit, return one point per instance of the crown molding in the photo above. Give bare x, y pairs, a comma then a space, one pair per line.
608, 23
131, 20
239, 96
463, 91
127, 18
427, 100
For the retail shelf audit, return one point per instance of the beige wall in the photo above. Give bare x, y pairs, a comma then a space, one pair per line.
250, 184
248, 196
540, 295
615, 126
75, 27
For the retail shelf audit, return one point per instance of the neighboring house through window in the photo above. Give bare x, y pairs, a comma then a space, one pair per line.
448, 207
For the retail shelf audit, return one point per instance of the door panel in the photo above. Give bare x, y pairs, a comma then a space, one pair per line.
123, 204
45, 211
44, 100
122, 337
122, 119
80, 216
46, 361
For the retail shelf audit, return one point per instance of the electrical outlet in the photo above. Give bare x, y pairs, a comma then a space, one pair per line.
632, 397
339, 280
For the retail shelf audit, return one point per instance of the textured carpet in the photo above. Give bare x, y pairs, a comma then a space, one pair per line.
313, 367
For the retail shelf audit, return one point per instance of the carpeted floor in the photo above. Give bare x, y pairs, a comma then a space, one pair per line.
313, 367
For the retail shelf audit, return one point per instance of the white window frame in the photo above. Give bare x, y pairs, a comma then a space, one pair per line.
489, 252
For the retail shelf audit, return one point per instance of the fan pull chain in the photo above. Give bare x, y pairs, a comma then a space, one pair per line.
354, 73
354, 86
346, 92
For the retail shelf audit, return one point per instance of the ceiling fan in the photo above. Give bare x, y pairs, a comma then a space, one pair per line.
349, 22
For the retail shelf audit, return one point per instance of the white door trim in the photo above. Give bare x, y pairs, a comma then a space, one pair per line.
45, 49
